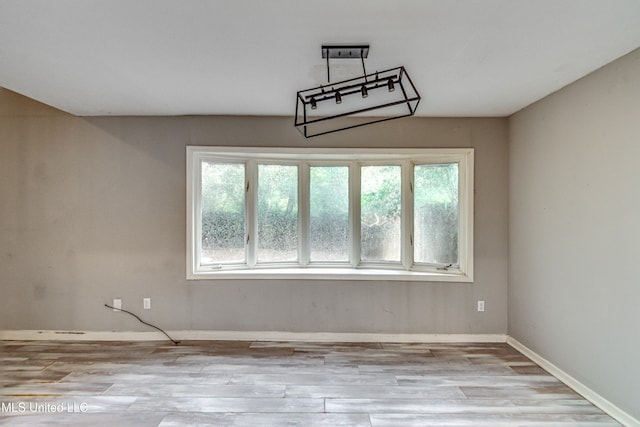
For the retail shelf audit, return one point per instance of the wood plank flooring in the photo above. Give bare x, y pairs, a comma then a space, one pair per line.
281, 384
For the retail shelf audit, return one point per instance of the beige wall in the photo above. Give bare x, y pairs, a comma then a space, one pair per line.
94, 208
574, 244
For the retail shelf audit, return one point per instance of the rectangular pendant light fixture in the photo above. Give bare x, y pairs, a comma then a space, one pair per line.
370, 98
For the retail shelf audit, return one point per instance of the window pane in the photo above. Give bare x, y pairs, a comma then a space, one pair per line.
436, 214
223, 220
277, 213
329, 207
380, 208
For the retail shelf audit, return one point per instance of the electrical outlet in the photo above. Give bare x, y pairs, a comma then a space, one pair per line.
146, 303
480, 305
117, 304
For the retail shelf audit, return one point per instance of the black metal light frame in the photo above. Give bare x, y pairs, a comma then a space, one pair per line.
391, 79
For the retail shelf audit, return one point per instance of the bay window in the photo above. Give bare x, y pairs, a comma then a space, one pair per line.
354, 214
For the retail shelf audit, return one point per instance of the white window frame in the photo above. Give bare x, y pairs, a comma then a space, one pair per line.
406, 270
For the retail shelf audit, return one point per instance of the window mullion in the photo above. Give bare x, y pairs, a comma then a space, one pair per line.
354, 218
407, 214
251, 213
303, 214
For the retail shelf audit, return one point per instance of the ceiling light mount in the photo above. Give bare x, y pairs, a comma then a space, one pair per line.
378, 98
345, 51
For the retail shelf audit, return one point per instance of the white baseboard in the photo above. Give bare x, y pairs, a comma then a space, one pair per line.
340, 337
196, 335
599, 401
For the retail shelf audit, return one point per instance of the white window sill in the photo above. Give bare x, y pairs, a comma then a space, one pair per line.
332, 274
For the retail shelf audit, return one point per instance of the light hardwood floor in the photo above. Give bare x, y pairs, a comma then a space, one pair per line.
281, 384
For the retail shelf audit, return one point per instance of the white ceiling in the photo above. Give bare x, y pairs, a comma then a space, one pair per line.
176, 57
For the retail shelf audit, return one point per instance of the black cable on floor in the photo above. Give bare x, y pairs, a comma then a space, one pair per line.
142, 321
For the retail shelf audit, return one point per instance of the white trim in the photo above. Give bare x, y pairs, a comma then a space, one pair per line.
35, 335
592, 396
330, 154
340, 337
467, 189
334, 273
53, 335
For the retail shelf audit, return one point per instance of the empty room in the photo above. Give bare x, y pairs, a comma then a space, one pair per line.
332, 213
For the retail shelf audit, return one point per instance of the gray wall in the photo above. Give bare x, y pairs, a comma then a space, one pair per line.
94, 208
574, 200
